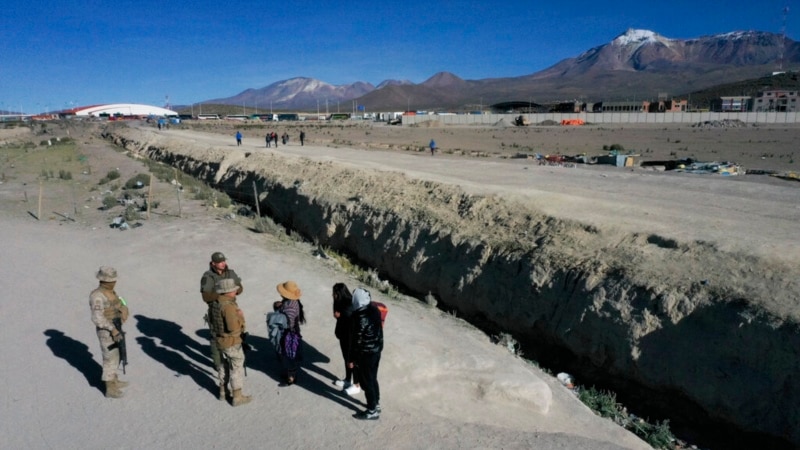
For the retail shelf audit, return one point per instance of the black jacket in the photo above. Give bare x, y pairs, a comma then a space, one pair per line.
343, 323
366, 331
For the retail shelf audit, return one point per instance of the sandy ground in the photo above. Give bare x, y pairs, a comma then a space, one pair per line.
444, 385
752, 214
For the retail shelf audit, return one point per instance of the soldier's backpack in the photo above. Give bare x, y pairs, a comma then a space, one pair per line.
383, 309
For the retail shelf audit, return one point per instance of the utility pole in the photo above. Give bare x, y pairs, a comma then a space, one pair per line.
782, 44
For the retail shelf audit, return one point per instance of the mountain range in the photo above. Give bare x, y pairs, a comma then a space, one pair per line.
638, 64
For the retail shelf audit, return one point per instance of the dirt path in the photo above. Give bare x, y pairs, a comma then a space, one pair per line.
750, 214
444, 384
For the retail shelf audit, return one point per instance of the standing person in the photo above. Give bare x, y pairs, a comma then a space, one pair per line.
366, 341
302, 137
227, 321
268, 139
109, 311
217, 270
238, 138
285, 138
342, 311
275, 138
433, 147
292, 340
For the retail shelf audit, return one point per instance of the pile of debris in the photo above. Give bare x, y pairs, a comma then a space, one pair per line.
720, 168
725, 123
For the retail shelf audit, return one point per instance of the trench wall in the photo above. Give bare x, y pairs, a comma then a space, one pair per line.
534, 276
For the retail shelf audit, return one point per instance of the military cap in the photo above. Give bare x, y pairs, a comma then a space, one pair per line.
106, 273
217, 257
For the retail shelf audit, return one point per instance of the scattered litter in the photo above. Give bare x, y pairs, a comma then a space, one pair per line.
319, 252
119, 222
788, 175
566, 380
720, 168
245, 212
725, 123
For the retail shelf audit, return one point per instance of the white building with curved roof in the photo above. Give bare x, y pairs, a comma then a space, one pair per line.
123, 109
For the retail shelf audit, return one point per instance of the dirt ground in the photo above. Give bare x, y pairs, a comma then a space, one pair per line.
753, 146
747, 215
444, 384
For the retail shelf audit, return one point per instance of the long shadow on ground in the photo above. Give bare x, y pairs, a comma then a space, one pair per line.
263, 358
322, 384
173, 349
77, 354
170, 335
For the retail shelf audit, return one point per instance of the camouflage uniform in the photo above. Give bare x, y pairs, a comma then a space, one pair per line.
208, 291
105, 307
228, 325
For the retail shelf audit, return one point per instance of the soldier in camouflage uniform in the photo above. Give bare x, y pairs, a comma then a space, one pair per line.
107, 306
217, 270
227, 323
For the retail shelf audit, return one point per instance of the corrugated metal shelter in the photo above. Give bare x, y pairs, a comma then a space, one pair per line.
122, 109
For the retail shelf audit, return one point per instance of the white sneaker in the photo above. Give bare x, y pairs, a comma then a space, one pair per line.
353, 390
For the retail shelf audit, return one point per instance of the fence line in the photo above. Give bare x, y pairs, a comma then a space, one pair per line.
611, 118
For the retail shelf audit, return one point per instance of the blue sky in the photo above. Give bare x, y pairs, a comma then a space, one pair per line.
68, 52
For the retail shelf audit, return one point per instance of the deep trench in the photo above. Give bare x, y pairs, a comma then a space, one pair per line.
689, 421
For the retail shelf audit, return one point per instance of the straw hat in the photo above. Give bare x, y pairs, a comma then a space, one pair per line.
290, 290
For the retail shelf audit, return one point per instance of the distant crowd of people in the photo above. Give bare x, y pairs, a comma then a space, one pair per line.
272, 138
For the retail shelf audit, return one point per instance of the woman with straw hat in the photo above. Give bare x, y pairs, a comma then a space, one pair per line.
291, 341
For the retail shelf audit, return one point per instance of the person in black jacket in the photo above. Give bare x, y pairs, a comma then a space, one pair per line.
342, 310
366, 344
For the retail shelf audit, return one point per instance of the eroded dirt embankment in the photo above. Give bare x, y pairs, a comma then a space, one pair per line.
630, 306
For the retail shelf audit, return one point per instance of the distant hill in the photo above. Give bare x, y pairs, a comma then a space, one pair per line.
638, 64
297, 93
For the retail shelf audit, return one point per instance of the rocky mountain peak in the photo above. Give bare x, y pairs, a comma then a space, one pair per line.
443, 79
632, 35
637, 62
385, 83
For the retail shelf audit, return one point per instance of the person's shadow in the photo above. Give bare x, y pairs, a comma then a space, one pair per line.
77, 354
174, 349
322, 384
263, 358
170, 335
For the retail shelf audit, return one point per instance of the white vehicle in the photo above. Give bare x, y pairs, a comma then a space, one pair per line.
208, 117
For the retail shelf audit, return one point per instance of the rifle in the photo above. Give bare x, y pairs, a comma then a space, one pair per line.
123, 351
246, 348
